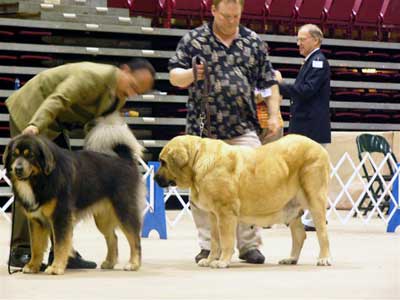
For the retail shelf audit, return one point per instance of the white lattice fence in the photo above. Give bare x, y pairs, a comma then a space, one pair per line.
345, 184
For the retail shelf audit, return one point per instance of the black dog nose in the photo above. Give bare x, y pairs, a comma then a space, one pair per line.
19, 170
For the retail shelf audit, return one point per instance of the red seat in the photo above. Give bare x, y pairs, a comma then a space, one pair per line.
154, 9
390, 20
118, 3
376, 97
35, 60
366, 15
285, 51
8, 59
189, 10
352, 55
347, 116
255, 12
310, 11
339, 16
347, 95
7, 83
376, 118
281, 12
396, 57
377, 56
346, 75
378, 77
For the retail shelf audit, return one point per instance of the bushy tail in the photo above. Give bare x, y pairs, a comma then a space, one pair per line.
112, 136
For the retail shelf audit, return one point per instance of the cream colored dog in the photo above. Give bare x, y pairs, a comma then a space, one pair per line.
268, 185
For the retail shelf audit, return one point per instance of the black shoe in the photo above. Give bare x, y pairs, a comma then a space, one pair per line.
76, 262
21, 256
203, 254
253, 256
309, 228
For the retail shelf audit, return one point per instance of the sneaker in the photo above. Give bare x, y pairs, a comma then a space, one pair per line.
75, 262
253, 256
202, 254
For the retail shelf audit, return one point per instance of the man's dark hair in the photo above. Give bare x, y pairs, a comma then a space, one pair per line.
140, 64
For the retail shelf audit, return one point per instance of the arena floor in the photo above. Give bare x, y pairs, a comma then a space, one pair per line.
366, 266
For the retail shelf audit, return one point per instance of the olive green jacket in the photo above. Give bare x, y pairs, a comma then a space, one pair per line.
65, 97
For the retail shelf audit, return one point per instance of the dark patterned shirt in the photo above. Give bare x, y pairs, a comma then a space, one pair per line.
234, 74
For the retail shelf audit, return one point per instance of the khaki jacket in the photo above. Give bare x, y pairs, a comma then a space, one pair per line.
65, 97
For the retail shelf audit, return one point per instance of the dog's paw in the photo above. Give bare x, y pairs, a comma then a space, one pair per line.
31, 269
204, 262
107, 265
131, 267
288, 261
219, 264
324, 261
54, 270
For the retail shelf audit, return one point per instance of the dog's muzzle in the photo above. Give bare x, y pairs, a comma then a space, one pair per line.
162, 182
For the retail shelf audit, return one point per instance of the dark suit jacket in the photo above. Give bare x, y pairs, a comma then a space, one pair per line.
309, 99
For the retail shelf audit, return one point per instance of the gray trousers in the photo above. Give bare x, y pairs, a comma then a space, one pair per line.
248, 236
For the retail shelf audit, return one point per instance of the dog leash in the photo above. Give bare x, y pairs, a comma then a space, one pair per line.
205, 118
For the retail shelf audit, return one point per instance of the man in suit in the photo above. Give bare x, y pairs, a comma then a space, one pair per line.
310, 93
60, 100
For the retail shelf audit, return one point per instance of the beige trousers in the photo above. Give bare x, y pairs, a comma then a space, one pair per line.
248, 236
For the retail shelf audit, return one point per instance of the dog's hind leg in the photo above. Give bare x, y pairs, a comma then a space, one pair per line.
130, 222
39, 234
106, 225
316, 192
298, 237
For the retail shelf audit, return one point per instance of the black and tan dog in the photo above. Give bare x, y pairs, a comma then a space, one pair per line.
57, 188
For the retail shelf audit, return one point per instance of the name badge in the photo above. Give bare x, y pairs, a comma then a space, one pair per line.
317, 64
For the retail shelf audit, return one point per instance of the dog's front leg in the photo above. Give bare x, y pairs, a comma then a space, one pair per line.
62, 228
227, 225
215, 250
39, 235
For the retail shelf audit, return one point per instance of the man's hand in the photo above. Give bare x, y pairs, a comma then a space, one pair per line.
274, 126
278, 76
31, 129
200, 71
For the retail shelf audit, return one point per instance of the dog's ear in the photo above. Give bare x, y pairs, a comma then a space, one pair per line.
47, 161
6, 154
179, 157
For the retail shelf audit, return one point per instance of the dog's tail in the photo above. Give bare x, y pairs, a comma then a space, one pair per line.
112, 136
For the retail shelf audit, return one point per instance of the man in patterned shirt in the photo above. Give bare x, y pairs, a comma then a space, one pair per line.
237, 64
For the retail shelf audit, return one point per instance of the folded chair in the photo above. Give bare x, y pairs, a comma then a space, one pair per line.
369, 143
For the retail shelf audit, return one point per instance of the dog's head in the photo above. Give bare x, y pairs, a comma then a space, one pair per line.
26, 156
177, 159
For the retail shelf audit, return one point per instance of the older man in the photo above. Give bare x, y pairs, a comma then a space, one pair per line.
310, 93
